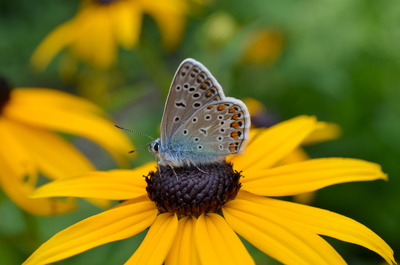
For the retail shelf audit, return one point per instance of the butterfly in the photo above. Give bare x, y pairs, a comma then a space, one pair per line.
200, 125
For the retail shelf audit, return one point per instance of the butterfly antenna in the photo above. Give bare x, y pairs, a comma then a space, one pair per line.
137, 149
122, 128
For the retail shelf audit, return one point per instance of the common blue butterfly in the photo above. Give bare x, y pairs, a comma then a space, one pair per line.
199, 125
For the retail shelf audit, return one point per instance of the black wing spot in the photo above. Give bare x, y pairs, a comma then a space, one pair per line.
220, 138
196, 95
192, 89
178, 88
220, 117
199, 147
194, 119
196, 139
196, 104
203, 131
176, 119
185, 132
180, 105
207, 117
221, 147
186, 86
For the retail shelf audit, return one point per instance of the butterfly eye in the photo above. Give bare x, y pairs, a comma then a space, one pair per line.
155, 147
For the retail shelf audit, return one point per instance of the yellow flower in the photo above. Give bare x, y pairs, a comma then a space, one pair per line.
264, 46
29, 147
198, 224
94, 34
262, 118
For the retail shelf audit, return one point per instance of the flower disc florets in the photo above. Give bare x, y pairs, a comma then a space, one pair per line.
193, 190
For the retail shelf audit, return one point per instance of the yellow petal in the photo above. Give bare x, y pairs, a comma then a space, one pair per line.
56, 158
15, 155
78, 122
19, 191
324, 131
112, 225
18, 175
111, 185
277, 237
57, 40
86, 20
127, 21
321, 222
101, 40
217, 243
183, 250
157, 242
274, 143
51, 98
170, 18
309, 175
297, 155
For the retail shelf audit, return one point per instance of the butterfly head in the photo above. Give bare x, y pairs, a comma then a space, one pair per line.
154, 147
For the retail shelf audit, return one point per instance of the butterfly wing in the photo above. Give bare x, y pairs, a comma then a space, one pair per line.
217, 129
192, 88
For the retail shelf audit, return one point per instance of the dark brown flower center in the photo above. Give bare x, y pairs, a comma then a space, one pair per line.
5, 91
192, 190
106, 2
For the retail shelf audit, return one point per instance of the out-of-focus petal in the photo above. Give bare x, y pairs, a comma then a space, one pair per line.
274, 143
51, 98
78, 122
170, 17
18, 175
183, 250
217, 243
57, 40
127, 22
19, 192
111, 185
118, 223
157, 242
318, 221
309, 175
55, 157
278, 237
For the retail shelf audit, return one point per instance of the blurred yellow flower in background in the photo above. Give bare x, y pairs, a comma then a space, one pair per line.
198, 223
30, 148
263, 46
100, 26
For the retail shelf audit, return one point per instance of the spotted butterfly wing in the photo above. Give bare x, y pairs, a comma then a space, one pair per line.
200, 125
214, 131
193, 87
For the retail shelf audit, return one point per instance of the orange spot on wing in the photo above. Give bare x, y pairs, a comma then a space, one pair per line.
221, 107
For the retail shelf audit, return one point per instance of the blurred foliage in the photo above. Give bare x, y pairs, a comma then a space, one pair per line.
336, 59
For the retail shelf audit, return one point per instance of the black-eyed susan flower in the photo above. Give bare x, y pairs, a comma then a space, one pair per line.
261, 117
30, 147
195, 214
101, 26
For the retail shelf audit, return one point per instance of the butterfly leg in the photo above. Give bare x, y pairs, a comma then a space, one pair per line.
169, 163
